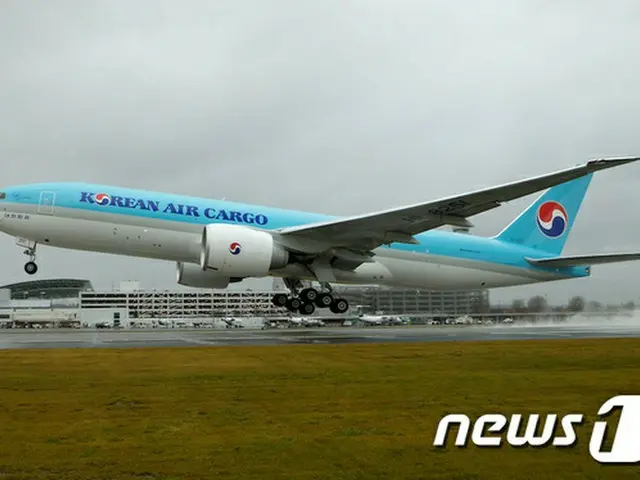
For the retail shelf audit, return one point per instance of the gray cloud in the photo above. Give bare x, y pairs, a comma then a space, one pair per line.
338, 107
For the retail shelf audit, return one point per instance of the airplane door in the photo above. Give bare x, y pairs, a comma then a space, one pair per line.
47, 203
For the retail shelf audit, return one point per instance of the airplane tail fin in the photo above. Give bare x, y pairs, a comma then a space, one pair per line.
545, 225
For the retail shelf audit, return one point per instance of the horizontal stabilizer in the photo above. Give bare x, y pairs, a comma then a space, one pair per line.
584, 260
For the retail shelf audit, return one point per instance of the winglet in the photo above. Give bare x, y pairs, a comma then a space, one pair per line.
604, 163
590, 167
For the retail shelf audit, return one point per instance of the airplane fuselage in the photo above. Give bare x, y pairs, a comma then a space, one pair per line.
155, 225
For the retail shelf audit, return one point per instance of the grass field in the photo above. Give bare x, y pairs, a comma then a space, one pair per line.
309, 412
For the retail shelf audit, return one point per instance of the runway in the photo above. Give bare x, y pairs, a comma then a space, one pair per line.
89, 338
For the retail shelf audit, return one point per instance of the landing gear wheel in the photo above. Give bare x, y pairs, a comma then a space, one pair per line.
279, 300
309, 295
307, 308
324, 300
293, 304
339, 305
31, 268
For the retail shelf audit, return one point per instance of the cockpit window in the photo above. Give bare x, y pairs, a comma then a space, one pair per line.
3, 195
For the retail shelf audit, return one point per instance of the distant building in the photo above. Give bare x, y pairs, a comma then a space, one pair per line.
181, 304
132, 302
403, 301
42, 302
56, 288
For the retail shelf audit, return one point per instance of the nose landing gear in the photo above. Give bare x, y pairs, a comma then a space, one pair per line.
31, 267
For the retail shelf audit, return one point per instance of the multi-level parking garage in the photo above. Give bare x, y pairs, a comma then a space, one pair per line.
176, 304
230, 303
399, 301
131, 302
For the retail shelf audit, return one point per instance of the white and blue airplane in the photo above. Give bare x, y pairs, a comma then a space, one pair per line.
215, 243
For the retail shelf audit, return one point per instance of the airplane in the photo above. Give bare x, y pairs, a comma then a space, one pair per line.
215, 243
306, 322
378, 318
367, 319
231, 322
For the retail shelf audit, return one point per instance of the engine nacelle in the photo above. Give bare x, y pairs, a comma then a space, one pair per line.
239, 251
191, 275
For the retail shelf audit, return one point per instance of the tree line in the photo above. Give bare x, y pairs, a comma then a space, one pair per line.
539, 304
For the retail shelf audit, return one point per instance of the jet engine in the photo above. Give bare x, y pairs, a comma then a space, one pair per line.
191, 275
239, 251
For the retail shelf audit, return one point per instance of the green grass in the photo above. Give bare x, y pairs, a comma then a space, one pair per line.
299, 412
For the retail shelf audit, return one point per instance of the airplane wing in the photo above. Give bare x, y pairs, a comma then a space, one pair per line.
369, 231
583, 260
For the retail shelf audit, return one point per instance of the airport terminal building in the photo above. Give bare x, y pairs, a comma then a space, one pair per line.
57, 288
55, 301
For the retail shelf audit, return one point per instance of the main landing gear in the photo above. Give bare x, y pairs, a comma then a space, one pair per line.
306, 301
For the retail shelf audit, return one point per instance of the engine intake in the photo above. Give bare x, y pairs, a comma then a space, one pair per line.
191, 275
239, 251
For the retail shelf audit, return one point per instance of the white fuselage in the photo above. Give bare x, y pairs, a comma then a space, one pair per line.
176, 241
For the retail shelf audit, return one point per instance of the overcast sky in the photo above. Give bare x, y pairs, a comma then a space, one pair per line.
334, 106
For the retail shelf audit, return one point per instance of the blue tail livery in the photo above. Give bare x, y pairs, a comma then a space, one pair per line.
545, 225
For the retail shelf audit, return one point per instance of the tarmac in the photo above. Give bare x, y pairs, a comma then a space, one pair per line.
136, 338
